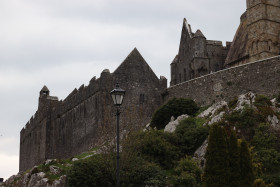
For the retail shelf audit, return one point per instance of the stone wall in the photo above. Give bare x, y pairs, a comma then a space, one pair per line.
86, 118
261, 77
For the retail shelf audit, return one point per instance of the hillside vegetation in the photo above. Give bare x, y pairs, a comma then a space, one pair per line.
226, 144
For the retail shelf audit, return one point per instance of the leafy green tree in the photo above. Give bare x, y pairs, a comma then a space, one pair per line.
174, 107
246, 168
217, 166
234, 160
266, 151
187, 173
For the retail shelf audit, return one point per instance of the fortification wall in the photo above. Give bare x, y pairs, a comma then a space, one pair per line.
86, 118
262, 77
32, 144
76, 122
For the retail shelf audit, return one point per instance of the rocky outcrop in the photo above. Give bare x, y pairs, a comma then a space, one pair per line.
171, 126
34, 178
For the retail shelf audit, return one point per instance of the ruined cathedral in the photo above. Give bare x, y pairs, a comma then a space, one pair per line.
203, 70
257, 37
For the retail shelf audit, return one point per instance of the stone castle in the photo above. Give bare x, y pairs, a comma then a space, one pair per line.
203, 70
258, 37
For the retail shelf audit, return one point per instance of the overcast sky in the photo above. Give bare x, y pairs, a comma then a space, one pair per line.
64, 43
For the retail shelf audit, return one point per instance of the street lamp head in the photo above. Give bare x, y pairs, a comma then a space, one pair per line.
117, 95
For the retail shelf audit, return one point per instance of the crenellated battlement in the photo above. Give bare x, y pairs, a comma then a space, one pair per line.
65, 128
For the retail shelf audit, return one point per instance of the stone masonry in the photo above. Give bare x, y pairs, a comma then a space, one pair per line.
261, 77
197, 56
258, 37
61, 129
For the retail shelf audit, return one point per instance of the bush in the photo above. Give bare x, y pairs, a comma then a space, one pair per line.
262, 100
174, 107
242, 119
263, 138
191, 134
187, 173
155, 146
137, 172
278, 98
261, 183
96, 171
233, 103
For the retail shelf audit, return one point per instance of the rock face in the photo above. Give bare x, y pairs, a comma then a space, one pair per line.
34, 180
200, 153
171, 126
31, 179
274, 121
216, 113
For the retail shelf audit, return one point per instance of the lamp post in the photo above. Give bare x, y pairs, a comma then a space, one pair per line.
117, 96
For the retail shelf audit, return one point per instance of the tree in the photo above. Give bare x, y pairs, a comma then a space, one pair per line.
187, 173
234, 160
246, 168
216, 169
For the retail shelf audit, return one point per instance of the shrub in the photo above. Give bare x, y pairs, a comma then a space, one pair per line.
262, 100
261, 183
233, 103
187, 173
174, 107
263, 138
96, 171
154, 146
190, 134
278, 98
137, 172
243, 119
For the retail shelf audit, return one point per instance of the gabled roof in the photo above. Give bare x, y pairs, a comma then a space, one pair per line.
198, 33
134, 64
45, 89
175, 60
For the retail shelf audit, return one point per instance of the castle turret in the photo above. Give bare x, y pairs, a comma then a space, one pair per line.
44, 91
45, 100
199, 43
200, 63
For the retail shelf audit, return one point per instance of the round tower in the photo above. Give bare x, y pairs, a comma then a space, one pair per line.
263, 19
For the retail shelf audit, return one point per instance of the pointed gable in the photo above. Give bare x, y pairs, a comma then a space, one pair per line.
45, 88
198, 33
186, 36
135, 67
